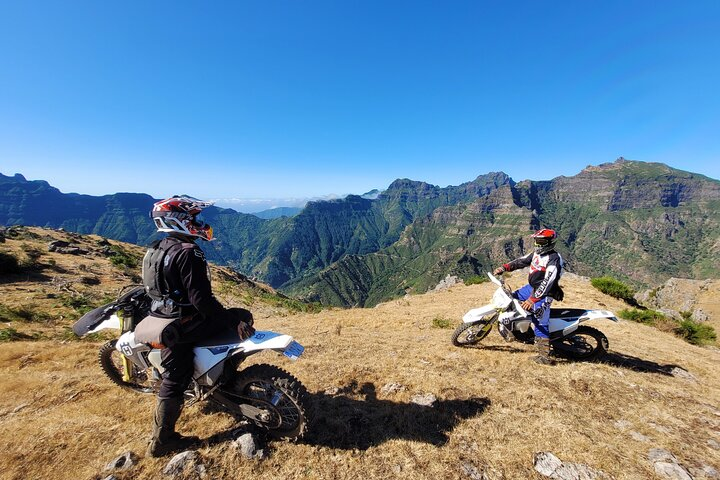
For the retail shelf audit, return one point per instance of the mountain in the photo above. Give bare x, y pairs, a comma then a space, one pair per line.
278, 212
642, 222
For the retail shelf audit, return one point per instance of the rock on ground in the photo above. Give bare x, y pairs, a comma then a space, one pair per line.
185, 465
666, 465
425, 400
123, 462
392, 387
248, 447
551, 466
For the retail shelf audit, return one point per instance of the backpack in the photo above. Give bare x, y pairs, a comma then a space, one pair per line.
153, 268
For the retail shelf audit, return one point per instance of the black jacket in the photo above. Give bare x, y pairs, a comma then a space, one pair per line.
186, 278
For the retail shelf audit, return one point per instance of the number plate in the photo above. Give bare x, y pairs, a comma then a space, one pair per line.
294, 350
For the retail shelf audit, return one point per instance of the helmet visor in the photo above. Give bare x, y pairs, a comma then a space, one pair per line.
543, 241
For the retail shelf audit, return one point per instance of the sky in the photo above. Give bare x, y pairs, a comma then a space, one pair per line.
272, 101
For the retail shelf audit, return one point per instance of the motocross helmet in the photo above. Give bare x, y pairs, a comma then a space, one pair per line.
178, 214
544, 240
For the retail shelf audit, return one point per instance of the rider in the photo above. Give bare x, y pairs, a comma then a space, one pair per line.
176, 277
546, 267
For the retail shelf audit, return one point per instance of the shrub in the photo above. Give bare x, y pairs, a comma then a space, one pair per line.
121, 258
80, 303
695, 332
649, 317
614, 288
25, 313
475, 279
8, 263
441, 322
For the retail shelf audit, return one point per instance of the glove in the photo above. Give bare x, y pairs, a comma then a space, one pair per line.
245, 330
242, 315
244, 320
499, 271
527, 305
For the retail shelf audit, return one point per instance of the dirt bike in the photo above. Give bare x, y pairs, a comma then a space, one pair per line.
264, 394
568, 338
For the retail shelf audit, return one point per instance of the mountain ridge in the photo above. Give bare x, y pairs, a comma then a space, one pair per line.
624, 218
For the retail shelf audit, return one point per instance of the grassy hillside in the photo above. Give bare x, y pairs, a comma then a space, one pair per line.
495, 408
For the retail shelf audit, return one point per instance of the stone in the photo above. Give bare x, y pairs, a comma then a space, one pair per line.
551, 466
446, 283
425, 400
124, 462
639, 436
247, 445
471, 472
713, 444
682, 373
576, 471
393, 387
661, 455
671, 471
622, 424
20, 407
185, 465
54, 245
546, 463
332, 391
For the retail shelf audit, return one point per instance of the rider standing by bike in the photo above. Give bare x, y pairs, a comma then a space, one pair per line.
546, 267
176, 277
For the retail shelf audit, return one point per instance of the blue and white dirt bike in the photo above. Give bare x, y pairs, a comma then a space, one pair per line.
266, 395
569, 339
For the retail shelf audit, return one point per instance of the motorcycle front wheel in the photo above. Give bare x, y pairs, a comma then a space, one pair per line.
276, 387
111, 362
585, 343
467, 334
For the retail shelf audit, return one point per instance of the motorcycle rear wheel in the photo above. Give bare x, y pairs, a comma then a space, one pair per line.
467, 334
111, 363
287, 395
585, 343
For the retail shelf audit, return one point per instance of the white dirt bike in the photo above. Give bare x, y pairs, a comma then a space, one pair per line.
266, 395
569, 339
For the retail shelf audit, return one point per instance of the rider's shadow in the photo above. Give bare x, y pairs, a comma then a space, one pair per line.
356, 419
617, 359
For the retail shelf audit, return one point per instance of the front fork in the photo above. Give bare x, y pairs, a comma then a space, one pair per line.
125, 362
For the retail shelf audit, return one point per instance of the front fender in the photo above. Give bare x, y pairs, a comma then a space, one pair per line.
477, 314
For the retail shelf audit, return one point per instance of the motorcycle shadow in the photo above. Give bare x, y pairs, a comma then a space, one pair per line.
356, 419
629, 362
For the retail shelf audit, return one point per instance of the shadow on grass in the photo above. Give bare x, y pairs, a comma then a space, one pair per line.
637, 364
357, 419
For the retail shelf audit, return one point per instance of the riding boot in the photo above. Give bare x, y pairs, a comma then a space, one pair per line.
542, 347
165, 439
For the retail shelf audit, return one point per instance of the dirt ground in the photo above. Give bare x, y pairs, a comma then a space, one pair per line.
61, 418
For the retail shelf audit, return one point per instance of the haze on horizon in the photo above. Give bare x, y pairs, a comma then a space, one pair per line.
258, 101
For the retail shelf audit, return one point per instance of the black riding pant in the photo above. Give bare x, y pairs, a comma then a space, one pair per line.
178, 359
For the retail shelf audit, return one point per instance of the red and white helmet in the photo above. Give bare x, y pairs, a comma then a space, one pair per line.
544, 240
177, 214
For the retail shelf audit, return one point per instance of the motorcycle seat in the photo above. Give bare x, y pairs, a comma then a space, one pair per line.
566, 313
222, 338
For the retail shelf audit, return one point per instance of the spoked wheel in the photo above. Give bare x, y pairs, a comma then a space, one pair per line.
281, 393
471, 333
112, 365
585, 343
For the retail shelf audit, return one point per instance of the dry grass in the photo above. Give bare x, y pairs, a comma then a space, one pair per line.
495, 408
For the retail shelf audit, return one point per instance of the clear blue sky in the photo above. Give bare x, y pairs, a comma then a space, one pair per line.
292, 99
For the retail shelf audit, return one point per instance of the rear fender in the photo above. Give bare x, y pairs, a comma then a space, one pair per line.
596, 314
209, 360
